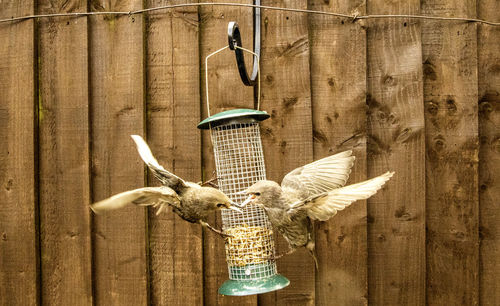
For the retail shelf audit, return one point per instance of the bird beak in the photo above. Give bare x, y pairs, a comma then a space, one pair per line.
235, 209
248, 200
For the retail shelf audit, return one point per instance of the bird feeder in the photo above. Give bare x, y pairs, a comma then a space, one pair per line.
239, 164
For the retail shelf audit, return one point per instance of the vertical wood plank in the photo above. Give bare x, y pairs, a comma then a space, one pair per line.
64, 156
173, 111
117, 110
450, 97
489, 152
396, 214
18, 233
226, 92
287, 135
338, 89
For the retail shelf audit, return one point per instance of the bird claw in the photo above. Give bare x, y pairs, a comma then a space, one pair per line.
221, 233
225, 236
270, 258
210, 181
274, 257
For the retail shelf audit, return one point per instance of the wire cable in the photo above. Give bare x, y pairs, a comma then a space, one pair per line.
264, 7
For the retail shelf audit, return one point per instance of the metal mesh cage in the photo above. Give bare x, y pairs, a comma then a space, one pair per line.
240, 163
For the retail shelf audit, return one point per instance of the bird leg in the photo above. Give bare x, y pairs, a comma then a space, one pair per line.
310, 248
210, 181
290, 251
222, 234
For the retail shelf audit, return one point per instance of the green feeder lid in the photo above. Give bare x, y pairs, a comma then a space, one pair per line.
233, 114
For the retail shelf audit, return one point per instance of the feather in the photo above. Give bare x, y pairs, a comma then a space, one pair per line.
320, 176
324, 206
167, 178
156, 196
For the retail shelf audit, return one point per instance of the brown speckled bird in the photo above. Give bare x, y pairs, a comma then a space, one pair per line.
190, 201
312, 192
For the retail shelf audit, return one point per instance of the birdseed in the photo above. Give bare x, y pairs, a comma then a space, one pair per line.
248, 245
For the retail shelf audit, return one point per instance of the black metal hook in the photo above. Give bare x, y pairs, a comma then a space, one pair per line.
234, 39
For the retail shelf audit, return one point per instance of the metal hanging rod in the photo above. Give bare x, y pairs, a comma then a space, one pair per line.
234, 39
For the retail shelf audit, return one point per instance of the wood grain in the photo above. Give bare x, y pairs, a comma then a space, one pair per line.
64, 172
396, 214
227, 91
99, 79
287, 135
19, 256
173, 111
489, 153
338, 87
450, 95
117, 111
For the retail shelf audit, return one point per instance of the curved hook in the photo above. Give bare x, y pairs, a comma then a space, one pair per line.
234, 39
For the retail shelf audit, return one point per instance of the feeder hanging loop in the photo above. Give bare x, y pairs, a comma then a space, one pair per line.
240, 49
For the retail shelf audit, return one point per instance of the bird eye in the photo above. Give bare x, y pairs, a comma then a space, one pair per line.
257, 193
220, 205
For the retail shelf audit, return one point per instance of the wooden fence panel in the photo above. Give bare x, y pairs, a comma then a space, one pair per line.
396, 215
18, 228
64, 156
287, 135
117, 110
173, 111
489, 152
338, 88
226, 92
450, 96
377, 86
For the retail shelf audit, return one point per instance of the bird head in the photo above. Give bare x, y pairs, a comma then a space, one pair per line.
262, 193
216, 199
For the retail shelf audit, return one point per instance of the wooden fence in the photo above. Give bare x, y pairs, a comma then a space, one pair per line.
417, 97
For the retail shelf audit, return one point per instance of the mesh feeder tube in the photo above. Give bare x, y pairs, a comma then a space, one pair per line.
239, 164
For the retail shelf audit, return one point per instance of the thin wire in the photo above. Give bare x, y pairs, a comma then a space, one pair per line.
206, 74
265, 7
258, 73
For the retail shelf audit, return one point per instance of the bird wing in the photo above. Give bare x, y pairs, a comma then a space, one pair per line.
157, 196
326, 205
320, 176
167, 178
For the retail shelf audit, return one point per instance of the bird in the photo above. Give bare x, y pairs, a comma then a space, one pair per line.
192, 202
312, 192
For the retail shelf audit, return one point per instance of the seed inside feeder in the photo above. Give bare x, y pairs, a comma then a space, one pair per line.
248, 245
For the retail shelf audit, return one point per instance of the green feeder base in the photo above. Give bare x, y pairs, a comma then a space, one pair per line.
249, 287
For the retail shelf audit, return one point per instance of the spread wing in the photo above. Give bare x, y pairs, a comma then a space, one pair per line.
326, 205
167, 178
320, 176
157, 196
